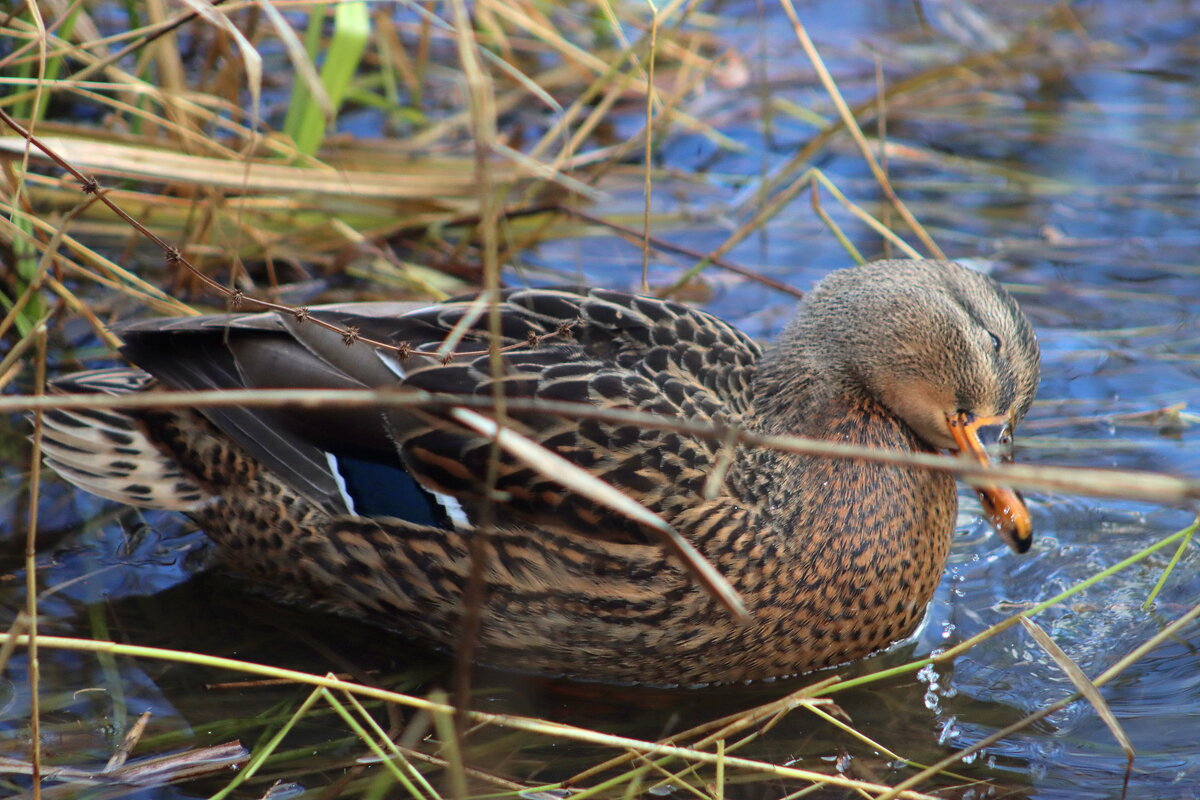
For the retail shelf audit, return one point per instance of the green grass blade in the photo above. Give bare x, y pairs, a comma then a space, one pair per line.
351, 30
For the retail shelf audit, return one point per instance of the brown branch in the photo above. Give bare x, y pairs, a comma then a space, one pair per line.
1088, 481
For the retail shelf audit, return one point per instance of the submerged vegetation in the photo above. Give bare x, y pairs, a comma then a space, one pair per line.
183, 159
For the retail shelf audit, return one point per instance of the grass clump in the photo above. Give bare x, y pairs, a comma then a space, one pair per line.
213, 159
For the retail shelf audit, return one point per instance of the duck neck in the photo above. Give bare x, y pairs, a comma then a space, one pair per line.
875, 502
796, 394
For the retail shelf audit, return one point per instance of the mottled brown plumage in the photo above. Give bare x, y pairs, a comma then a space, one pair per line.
833, 558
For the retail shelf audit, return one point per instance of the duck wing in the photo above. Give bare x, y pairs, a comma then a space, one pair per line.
601, 348
260, 351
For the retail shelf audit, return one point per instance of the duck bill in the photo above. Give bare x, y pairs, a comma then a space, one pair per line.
1004, 507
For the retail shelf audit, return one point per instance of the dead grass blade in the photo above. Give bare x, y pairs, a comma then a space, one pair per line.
251, 60
1082, 683
144, 772
848, 119
31, 564
140, 162
132, 736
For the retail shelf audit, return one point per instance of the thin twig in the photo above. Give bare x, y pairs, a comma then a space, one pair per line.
31, 572
855, 132
1093, 482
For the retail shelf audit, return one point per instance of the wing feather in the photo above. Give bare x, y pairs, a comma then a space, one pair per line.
602, 348
622, 352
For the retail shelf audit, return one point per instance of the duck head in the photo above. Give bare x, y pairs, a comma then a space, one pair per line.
943, 347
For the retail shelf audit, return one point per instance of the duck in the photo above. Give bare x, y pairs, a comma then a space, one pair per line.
377, 513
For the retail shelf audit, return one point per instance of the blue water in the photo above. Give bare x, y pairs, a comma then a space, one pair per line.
1068, 167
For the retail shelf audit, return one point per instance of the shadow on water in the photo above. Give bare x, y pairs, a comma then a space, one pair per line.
1073, 170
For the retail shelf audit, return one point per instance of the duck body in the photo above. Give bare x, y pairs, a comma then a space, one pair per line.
376, 514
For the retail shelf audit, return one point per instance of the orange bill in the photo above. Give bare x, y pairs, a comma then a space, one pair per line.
1004, 507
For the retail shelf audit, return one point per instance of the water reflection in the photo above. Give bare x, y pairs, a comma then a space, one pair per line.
1071, 169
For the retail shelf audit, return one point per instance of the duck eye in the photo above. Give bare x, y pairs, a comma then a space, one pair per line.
996, 343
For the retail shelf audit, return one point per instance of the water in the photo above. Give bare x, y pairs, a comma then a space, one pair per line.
1067, 165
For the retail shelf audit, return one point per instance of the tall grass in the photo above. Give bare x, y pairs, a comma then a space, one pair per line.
199, 191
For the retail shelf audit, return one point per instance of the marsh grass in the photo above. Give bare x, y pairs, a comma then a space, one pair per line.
237, 211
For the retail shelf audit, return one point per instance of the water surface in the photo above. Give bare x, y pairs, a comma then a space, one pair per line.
1064, 160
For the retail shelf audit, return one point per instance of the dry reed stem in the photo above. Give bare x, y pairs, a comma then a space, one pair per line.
31, 570
1081, 682
1092, 482
1188, 498
851, 124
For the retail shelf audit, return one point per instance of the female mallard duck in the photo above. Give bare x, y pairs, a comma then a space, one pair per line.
373, 514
